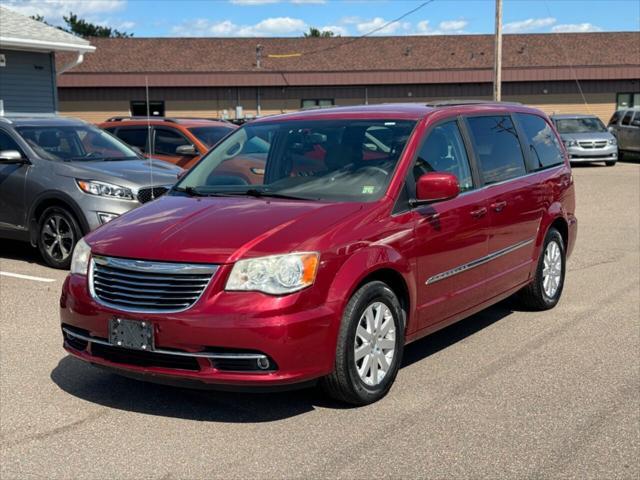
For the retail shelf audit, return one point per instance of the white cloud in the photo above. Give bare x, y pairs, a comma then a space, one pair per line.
576, 27
378, 22
269, 27
452, 25
528, 25
338, 30
446, 27
53, 10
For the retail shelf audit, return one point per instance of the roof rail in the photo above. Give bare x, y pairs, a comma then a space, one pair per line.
124, 118
453, 103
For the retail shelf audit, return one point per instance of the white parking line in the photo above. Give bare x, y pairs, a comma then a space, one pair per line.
27, 277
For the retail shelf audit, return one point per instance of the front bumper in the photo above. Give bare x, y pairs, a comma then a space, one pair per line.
214, 343
606, 154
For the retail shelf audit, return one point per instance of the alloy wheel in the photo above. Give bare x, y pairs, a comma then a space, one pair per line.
375, 343
57, 237
552, 270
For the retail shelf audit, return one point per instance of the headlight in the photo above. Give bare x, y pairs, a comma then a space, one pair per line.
570, 143
103, 189
613, 141
80, 259
276, 274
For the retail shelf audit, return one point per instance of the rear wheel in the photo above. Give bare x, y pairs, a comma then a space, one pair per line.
57, 236
369, 348
545, 290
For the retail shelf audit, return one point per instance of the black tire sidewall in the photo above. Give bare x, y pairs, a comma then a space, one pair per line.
552, 235
52, 262
368, 294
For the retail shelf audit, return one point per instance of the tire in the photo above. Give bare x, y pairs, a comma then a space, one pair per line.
346, 383
538, 295
610, 163
58, 233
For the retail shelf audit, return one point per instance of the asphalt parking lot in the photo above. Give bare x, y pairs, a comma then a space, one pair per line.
504, 394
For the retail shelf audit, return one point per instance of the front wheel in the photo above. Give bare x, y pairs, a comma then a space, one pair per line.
57, 236
610, 163
545, 290
369, 348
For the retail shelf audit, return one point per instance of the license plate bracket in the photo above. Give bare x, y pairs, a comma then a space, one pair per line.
132, 334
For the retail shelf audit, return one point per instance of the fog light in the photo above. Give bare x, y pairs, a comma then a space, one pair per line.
263, 363
106, 217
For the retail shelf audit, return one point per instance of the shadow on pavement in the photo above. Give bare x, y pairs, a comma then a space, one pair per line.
94, 385
15, 250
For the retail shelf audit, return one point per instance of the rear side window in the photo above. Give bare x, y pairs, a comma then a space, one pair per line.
542, 144
497, 148
627, 118
136, 137
615, 118
444, 151
8, 143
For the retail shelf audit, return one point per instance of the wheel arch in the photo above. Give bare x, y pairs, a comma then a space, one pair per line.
54, 199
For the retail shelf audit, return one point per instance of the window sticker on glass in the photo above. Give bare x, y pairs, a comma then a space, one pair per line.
368, 189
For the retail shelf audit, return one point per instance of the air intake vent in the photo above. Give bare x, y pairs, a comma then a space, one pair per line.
142, 286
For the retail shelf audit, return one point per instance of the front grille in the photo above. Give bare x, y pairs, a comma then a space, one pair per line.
141, 358
141, 286
596, 144
147, 194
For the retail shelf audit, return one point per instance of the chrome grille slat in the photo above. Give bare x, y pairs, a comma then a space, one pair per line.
144, 286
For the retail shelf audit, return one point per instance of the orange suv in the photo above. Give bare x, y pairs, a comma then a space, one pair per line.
177, 140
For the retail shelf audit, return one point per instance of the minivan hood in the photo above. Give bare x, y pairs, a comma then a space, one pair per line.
587, 136
216, 229
126, 173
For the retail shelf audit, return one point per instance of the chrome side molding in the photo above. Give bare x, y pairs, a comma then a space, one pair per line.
478, 262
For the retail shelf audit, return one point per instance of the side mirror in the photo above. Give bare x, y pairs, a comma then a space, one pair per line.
186, 151
11, 156
435, 187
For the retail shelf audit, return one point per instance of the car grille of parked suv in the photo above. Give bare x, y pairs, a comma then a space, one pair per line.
147, 194
596, 144
138, 285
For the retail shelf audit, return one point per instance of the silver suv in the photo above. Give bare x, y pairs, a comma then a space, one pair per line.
61, 178
586, 138
625, 125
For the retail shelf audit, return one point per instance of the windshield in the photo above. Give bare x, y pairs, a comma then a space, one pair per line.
210, 135
75, 143
580, 125
335, 160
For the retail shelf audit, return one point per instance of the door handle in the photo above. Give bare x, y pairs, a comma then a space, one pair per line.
480, 212
499, 206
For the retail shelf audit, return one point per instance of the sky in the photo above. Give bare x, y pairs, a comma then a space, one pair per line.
287, 18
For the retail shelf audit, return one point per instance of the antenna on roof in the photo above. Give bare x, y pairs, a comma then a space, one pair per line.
146, 92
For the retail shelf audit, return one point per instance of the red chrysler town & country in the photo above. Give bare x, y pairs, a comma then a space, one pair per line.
366, 228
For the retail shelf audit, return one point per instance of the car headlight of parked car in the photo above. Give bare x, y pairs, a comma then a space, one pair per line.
80, 259
103, 189
570, 143
613, 141
275, 274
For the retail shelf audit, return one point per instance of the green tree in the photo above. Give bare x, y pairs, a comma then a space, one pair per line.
82, 28
317, 33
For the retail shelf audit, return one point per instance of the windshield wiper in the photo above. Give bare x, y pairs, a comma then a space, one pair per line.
199, 192
254, 192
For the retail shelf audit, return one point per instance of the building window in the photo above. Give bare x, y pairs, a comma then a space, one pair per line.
317, 102
139, 108
628, 100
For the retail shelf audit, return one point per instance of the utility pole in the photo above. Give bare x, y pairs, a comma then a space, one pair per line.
497, 65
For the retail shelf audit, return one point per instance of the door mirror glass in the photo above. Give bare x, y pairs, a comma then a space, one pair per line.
186, 150
437, 186
11, 156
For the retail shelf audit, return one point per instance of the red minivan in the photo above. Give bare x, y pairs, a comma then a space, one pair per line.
368, 228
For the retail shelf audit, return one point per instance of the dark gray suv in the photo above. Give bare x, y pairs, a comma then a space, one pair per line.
61, 178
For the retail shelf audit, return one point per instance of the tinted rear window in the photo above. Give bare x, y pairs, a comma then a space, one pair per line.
543, 146
136, 137
497, 147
